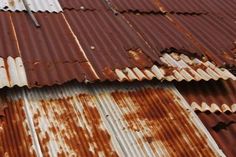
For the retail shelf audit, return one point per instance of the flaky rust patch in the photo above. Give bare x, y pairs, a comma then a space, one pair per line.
80, 130
168, 124
15, 139
140, 59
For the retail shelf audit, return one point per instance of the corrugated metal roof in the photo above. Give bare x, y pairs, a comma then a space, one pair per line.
222, 127
218, 7
213, 96
35, 5
101, 120
83, 4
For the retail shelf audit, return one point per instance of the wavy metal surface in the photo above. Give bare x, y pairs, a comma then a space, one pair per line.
101, 121
107, 40
216, 35
213, 96
35, 5
218, 7
222, 127
51, 55
140, 5
83, 4
177, 67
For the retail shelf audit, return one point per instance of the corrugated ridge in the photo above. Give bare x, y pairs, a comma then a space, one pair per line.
222, 127
76, 120
210, 96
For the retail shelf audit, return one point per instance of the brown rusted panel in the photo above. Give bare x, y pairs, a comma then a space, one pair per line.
210, 92
216, 35
161, 34
15, 140
218, 7
222, 127
50, 53
8, 44
139, 6
107, 39
157, 111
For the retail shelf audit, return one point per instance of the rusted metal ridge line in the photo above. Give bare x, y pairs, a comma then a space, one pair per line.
30, 13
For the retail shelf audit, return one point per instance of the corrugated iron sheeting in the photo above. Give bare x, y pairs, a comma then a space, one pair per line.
222, 127
83, 4
218, 7
216, 35
35, 5
102, 121
107, 40
161, 34
140, 6
51, 55
177, 67
210, 96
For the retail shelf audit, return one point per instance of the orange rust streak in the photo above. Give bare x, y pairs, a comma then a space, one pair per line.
166, 120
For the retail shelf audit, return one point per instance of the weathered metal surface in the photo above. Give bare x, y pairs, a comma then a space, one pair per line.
217, 36
35, 5
219, 96
222, 127
51, 55
107, 40
83, 4
177, 67
225, 8
133, 6
72, 120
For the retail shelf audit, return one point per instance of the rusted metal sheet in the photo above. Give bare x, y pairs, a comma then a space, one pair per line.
161, 34
222, 127
177, 67
122, 120
35, 5
107, 40
213, 96
225, 8
51, 55
135, 6
218, 36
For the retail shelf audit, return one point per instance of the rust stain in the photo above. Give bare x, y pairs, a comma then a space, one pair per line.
167, 122
139, 58
89, 140
11, 3
109, 73
12, 141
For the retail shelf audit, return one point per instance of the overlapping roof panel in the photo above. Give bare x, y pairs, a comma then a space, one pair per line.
222, 127
34, 5
218, 36
101, 120
210, 96
83, 4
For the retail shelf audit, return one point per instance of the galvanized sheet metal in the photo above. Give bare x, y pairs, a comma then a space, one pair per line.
213, 96
222, 127
97, 120
83, 4
35, 5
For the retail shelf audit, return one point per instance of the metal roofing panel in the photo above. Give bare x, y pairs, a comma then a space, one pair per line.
218, 36
222, 127
161, 34
210, 96
35, 5
217, 7
83, 4
101, 120
140, 5
107, 40
51, 55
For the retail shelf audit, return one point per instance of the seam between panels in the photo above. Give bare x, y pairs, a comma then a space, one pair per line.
197, 122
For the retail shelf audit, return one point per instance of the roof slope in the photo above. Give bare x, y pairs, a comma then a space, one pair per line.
62, 120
